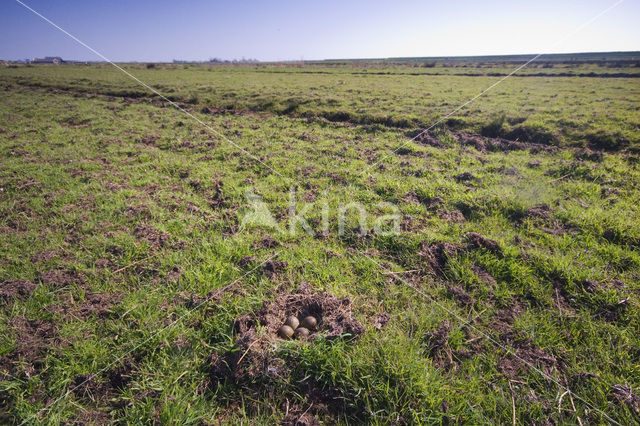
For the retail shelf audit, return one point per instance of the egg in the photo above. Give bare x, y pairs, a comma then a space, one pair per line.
285, 332
309, 322
301, 333
292, 322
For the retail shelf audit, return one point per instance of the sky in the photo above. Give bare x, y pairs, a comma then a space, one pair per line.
162, 30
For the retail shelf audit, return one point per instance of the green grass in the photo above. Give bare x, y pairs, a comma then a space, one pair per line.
90, 163
586, 111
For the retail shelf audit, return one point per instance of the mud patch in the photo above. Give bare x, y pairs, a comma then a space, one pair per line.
104, 389
454, 216
274, 267
461, 295
46, 255
34, 338
478, 241
156, 239
436, 255
437, 345
61, 278
94, 304
16, 290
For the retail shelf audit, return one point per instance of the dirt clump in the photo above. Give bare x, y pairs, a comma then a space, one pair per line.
104, 389
541, 211
460, 294
60, 278
246, 261
411, 198
524, 355
300, 418
484, 143
173, 275
465, 177
268, 242
16, 290
156, 239
436, 255
94, 304
484, 275
505, 318
438, 347
613, 312
432, 202
271, 268
34, 339
589, 155
453, 216
321, 400
216, 196
478, 241
427, 138
149, 139
137, 211
45, 256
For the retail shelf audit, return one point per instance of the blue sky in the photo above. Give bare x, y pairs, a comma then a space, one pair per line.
161, 30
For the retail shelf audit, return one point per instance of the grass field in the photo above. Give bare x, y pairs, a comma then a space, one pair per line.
135, 290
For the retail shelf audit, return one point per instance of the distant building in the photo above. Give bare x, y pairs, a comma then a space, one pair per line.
47, 60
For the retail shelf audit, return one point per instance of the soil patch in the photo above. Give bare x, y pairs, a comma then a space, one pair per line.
482, 143
454, 216
484, 276
16, 290
267, 242
438, 347
436, 255
460, 294
105, 388
478, 241
156, 239
33, 339
94, 304
273, 267
46, 255
60, 278
381, 320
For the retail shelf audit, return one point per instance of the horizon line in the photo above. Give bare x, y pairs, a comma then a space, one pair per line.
363, 59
